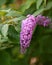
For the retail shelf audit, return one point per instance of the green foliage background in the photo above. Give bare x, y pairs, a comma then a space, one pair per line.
10, 24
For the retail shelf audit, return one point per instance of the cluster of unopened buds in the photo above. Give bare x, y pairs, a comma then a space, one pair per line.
27, 27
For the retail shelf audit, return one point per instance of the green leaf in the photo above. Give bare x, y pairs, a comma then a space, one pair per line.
14, 13
38, 3
45, 1
49, 5
3, 39
4, 12
38, 12
15, 20
26, 5
4, 58
30, 10
4, 30
13, 34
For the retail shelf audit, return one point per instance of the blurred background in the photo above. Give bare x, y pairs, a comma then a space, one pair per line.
12, 12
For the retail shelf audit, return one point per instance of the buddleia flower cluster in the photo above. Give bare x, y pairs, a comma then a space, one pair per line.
27, 27
43, 21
